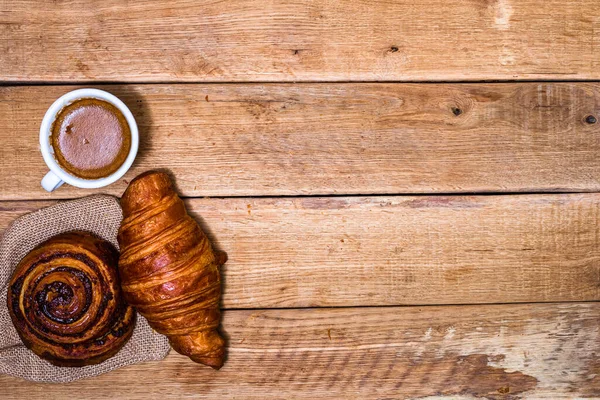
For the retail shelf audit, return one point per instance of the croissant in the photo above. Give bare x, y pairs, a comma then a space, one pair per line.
169, 271
65, 301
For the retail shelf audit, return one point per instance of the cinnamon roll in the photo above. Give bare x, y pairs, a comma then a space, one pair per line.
65, 301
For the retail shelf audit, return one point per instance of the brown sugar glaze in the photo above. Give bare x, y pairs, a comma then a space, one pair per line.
91, 138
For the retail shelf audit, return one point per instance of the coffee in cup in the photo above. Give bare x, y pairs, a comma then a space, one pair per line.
88, 139
91, 138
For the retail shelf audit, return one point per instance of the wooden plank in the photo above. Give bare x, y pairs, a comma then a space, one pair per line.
281, 139
492, 352
377, 251
253, 40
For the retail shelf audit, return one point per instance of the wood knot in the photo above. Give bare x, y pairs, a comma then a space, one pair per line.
394, 49
504, 390
590, 119
456, 111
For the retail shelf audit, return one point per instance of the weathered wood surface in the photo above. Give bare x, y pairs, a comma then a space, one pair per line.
281, 139
247, 139
311, 252
493, 352
254, 40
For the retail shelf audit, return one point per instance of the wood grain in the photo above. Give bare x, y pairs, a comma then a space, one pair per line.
310, 139
378, 251
254, 40
492, 352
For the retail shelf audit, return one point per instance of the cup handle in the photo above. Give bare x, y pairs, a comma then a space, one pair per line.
51, 182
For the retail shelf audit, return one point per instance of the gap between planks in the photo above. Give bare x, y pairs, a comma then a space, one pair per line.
76, 83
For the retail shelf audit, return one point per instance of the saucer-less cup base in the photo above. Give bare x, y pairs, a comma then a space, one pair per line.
57, 176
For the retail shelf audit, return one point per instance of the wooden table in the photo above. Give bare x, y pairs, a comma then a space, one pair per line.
397, 224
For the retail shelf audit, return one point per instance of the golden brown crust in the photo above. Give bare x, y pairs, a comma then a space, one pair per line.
169, 271
66, 303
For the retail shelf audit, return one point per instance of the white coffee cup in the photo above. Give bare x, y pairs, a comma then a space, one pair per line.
57, 175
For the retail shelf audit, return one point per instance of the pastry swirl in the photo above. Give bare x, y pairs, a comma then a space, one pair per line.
66, 303
169, 271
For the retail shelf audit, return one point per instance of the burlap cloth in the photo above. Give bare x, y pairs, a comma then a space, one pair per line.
98, 214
